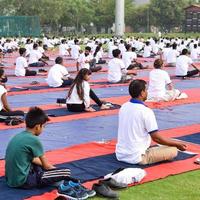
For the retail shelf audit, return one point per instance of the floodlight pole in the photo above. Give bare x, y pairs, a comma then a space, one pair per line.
119, 17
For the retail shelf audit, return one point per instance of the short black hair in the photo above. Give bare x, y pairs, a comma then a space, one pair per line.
59, 60
116, 53
136, 87
128, 46
184, 52
35, 45
22, 51
174, 45
35, 116
88, 48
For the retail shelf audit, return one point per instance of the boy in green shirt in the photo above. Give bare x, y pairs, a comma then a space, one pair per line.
27, 167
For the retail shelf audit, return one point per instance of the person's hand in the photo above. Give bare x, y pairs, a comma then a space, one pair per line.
90, 109
181, 146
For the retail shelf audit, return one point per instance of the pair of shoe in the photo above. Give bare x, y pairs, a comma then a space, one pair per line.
105, 188
74, 191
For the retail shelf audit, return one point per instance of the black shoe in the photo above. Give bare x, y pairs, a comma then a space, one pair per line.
113, 183
104, 190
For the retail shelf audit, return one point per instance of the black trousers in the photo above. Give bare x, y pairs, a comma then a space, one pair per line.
38, 177
66, 83
93, 66
11, 113
190, 73
30, 73
81, 107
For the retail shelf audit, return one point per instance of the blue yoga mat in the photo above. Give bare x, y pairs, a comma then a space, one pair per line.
193, 138
65, 134
58, 112
85, 170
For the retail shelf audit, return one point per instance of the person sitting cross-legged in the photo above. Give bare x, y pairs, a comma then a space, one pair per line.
138, 127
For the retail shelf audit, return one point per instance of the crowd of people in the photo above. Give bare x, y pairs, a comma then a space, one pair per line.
26, 165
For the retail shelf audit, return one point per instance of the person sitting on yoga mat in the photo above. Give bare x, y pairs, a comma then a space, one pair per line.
35, 57
137, 127
160, 85
21, 68
98, 55
58, 75
27, 167
117, 72
182, 66
5, 110
79, 95
86, 60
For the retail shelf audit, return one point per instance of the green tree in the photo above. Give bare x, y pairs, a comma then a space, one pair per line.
167, 14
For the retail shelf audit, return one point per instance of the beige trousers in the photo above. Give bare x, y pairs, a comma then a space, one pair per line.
157, 154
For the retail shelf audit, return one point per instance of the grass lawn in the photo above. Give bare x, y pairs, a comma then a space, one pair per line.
180, 187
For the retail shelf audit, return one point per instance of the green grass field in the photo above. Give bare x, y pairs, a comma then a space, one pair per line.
180, 187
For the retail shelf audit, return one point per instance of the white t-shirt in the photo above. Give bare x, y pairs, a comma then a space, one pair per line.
56, 74
98, 56
2, 91
74, 98
172, 56
83, 60
136, 121
182, 65
21, 64
75, 51
158, 79
165, 52
34, 57
41, 50
115, 68
147, 51
128, 57
194, 54
63, 49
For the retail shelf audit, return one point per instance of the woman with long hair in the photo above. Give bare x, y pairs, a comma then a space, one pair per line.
78, 99
98, 55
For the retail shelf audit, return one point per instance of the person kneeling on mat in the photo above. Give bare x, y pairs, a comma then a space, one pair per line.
79, 95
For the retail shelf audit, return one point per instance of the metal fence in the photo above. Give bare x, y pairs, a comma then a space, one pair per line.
11, 26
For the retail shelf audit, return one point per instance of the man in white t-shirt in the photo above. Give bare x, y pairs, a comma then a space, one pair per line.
182, 65
75, 50
58, 75
160, 85
86, 60
117, 72
147, 50
35, 57
195, 53
63, 48
21, 68
137, 127
129, 57
172, 56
